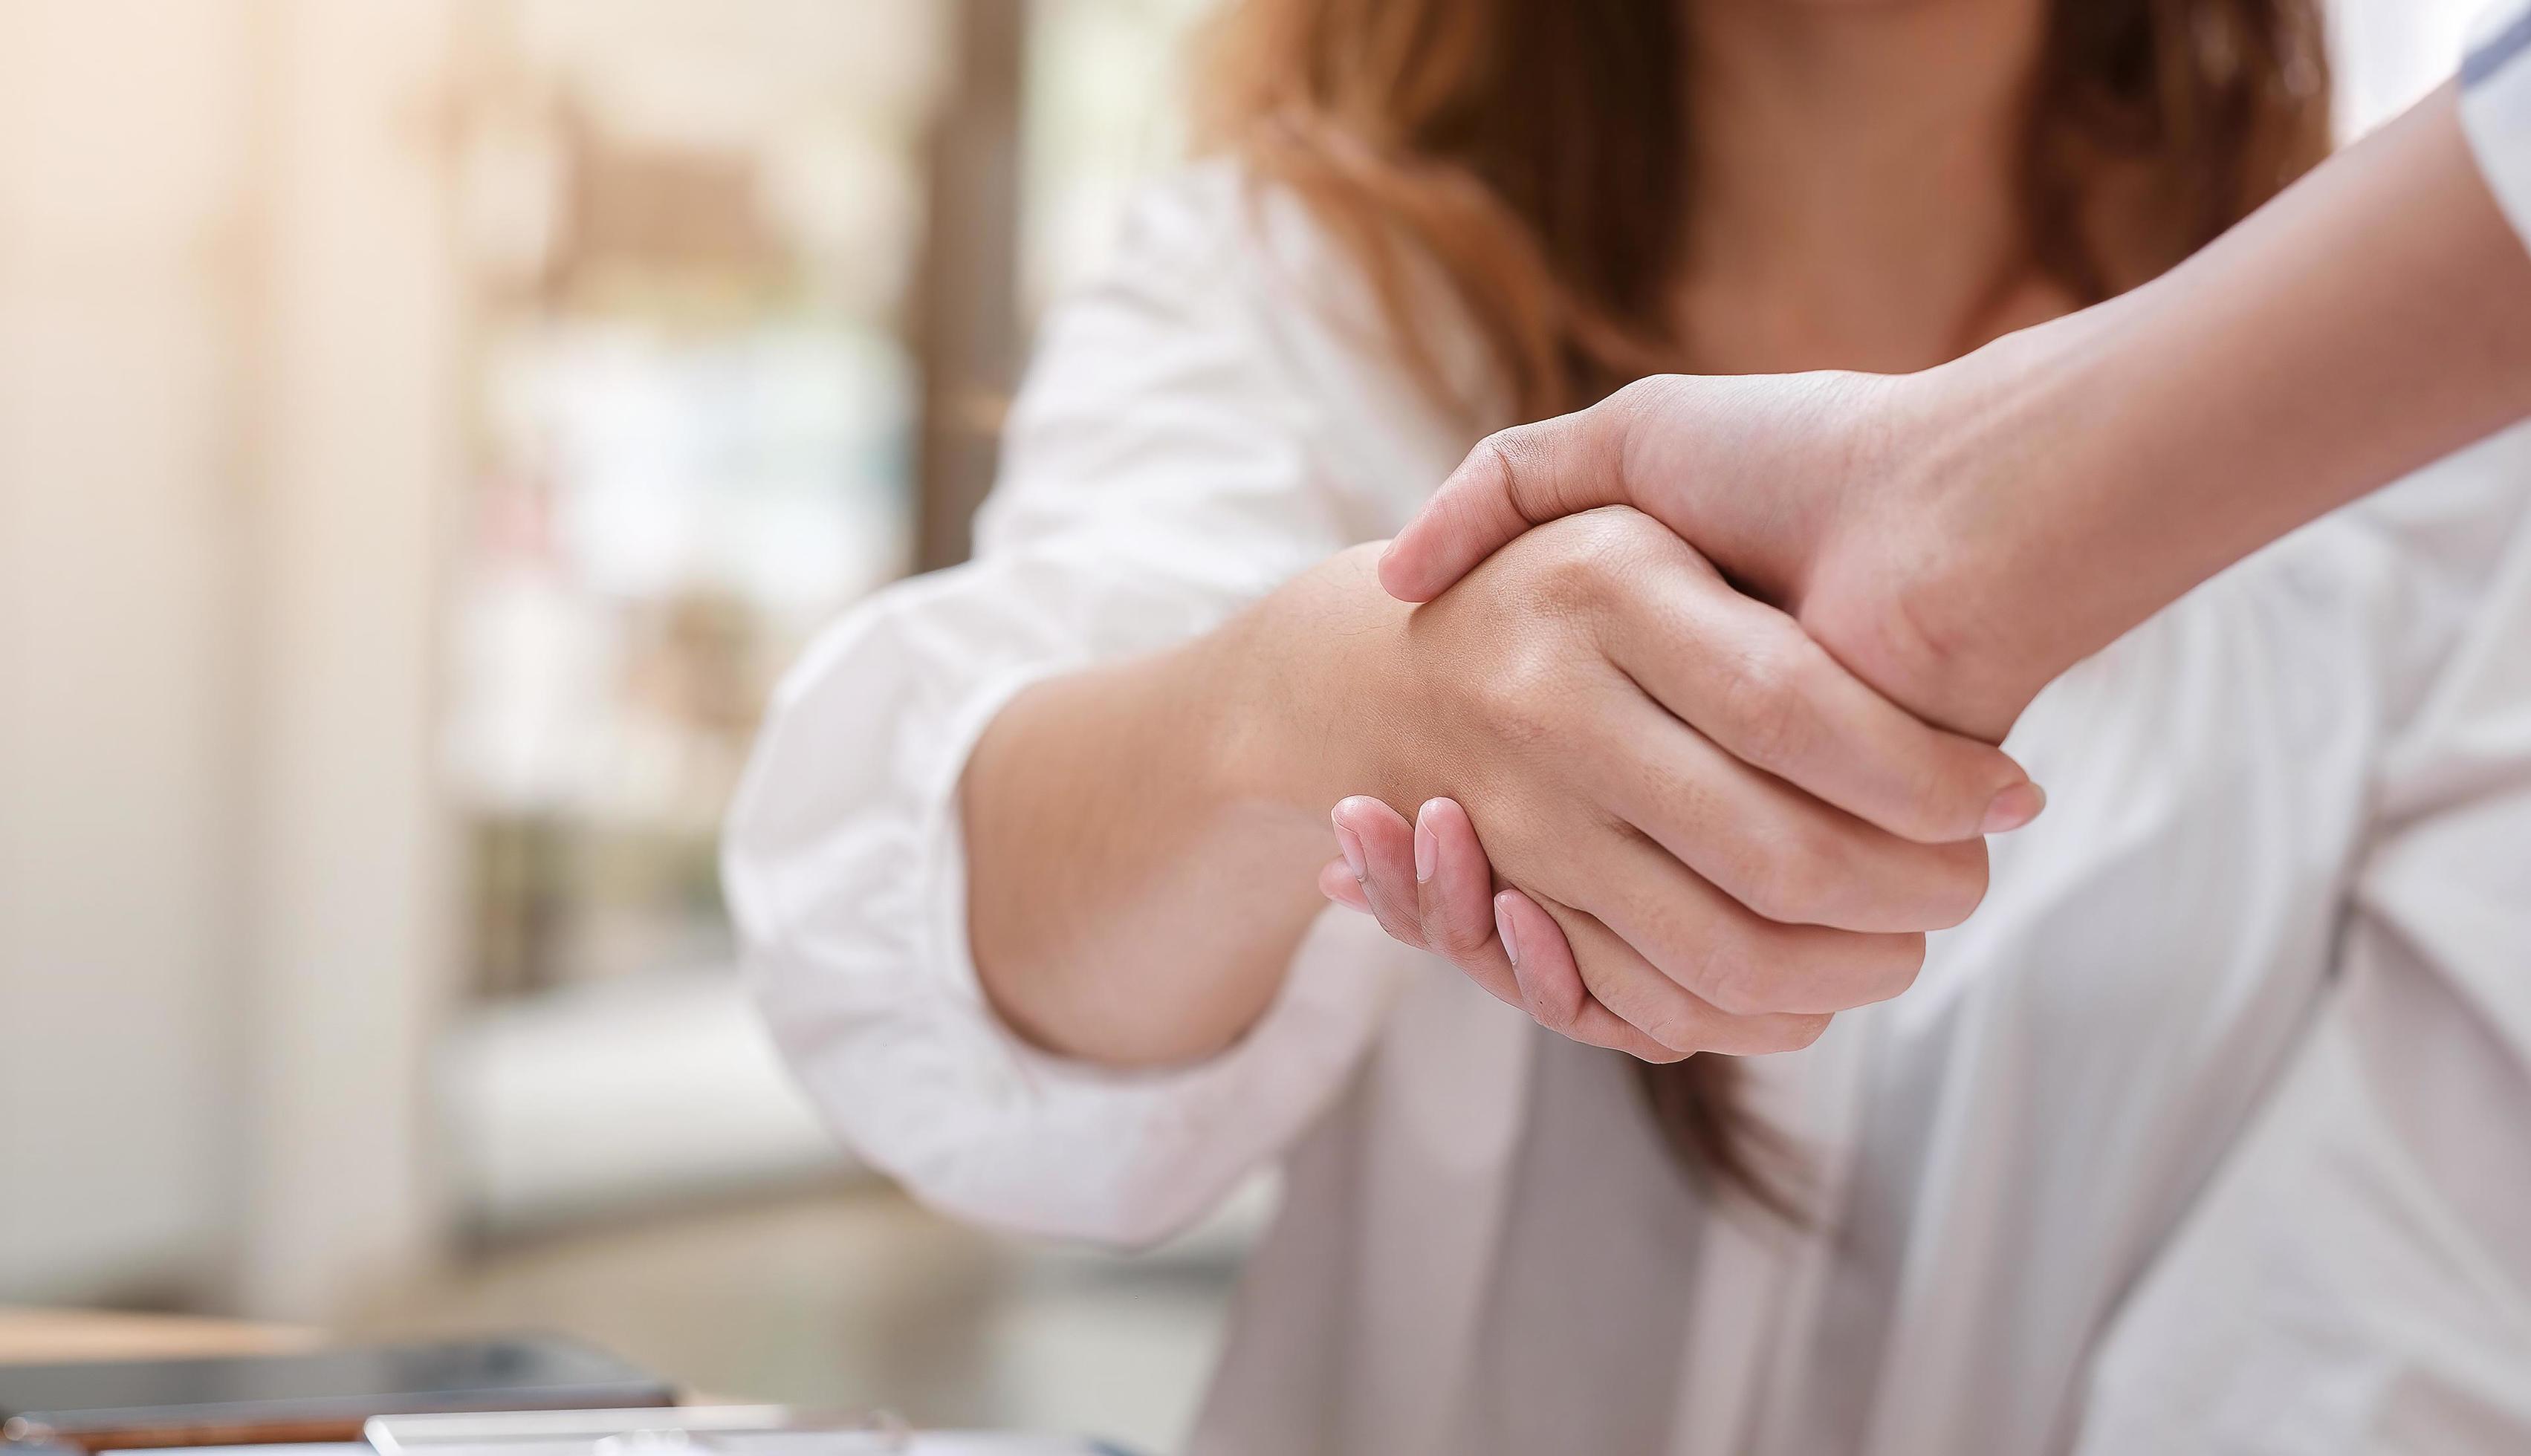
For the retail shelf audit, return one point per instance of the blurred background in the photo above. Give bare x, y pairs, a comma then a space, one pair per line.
426, 430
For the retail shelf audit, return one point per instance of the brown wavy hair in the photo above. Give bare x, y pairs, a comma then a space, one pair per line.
1534, 154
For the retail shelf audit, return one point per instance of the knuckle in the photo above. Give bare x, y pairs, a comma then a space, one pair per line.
1762, 701
1651, 397
1464, 945
1505, 453
1642, 393
1799, 878
1554, 1016
1571, 574
1731, 977
1523, 701
1963, 883
1555, 1007
1617, 535
1503, 447
1603, 536
1943, 785
1611, 981
1401, 921
1933, 805
1677, 1029
1523, 457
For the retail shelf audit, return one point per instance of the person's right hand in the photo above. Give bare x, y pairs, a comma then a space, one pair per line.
1960, 535
1828, 494
1735, 836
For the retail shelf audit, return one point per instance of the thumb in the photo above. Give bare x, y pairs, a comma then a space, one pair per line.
1515, 478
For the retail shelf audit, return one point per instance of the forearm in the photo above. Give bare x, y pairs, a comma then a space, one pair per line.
1143, 838
2374, 318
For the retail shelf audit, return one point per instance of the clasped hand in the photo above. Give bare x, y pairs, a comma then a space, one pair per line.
1692, 827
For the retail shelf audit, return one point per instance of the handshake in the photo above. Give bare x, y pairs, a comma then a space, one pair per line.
1695, 692
1725, 787
1728, 745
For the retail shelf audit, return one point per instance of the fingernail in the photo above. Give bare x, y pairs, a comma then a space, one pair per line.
1352, 848
1502, 928
2013, 808
1427, 846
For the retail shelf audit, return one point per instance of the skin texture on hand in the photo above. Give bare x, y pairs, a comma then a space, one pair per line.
1670, 767
1641, 798
1957, 537
1952, 538
1430, 887
1960, 537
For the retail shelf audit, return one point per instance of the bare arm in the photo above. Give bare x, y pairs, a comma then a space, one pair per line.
2373, 319
1136, 888
1142, 839
1960, 537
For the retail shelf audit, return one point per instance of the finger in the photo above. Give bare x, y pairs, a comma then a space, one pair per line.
1551, 986
1748, 677
1380, 842
1514, 479
1454, 890
1773, 848
1336, 882
1637, 991
1719, 951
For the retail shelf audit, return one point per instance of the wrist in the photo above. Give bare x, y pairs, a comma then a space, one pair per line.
1297, 688
1926, 580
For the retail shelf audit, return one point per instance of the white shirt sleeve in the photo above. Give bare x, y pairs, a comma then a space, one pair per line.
2495, 106
1161, 469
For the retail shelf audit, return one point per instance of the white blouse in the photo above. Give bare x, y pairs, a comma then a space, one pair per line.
2495, 106
2211, 1131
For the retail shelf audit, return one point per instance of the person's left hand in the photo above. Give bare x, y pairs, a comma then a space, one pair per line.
1430, 887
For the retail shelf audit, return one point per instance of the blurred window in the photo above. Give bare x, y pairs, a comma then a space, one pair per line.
686, 227
748, 282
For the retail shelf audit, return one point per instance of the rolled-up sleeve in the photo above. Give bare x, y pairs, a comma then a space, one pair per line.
1162, 470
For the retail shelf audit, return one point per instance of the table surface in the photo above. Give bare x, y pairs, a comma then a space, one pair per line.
47, 1337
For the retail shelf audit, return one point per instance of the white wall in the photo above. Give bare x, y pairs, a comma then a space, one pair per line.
121, 168
349, 927
226, 341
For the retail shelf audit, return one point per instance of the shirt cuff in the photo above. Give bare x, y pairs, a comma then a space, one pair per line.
2496, 107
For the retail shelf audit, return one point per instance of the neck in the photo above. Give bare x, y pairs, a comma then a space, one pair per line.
1856, 166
